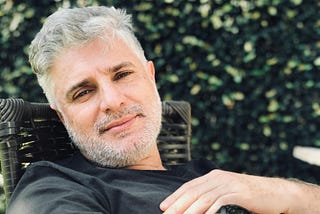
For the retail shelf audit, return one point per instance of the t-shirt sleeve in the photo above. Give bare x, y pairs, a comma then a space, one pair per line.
46, 190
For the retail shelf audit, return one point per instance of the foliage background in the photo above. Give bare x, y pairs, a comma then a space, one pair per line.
248, 67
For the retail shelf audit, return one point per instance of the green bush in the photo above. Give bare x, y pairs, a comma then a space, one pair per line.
248, 67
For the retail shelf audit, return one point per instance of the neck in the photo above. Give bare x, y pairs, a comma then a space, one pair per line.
151, 162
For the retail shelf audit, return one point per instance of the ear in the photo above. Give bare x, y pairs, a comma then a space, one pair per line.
54, 107
151, 69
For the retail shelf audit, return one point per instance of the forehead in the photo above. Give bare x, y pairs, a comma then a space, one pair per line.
94, 55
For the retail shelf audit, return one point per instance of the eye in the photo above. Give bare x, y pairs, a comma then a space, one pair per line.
81, 94
121, 75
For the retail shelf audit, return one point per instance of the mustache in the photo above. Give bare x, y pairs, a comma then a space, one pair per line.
100, 125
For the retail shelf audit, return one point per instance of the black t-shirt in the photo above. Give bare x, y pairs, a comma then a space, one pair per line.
76, 185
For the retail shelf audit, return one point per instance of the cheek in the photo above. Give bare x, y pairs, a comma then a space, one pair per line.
152, 91
81, 117
146, 89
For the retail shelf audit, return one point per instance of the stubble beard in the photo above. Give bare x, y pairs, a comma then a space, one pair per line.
126, 150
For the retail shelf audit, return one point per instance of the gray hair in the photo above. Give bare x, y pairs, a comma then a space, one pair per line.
68, 28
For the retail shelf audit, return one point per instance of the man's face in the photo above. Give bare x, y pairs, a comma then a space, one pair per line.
108, 101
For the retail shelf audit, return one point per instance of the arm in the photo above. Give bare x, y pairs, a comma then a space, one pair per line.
208, 193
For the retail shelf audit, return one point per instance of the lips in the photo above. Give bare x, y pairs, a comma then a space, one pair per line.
119, 125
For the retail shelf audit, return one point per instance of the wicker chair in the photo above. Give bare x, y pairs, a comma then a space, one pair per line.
31, 132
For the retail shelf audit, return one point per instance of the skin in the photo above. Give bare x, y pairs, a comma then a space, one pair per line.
94, 80
208, 193
258, 194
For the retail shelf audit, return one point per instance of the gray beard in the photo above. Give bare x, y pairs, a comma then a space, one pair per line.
121, 153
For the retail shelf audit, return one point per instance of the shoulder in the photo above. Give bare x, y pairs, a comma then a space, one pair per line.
49, 187
44, 174
201, 165
71, 164
194, 168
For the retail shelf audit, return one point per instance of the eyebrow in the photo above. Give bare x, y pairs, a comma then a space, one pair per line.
85, 82
120, 66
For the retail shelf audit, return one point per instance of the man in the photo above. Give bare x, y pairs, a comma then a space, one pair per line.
96, 77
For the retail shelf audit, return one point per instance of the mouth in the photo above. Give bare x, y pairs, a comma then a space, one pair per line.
119, 125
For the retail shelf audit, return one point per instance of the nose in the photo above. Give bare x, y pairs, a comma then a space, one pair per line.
111, 98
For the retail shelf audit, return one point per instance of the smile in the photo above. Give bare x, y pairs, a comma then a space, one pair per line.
119, 125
